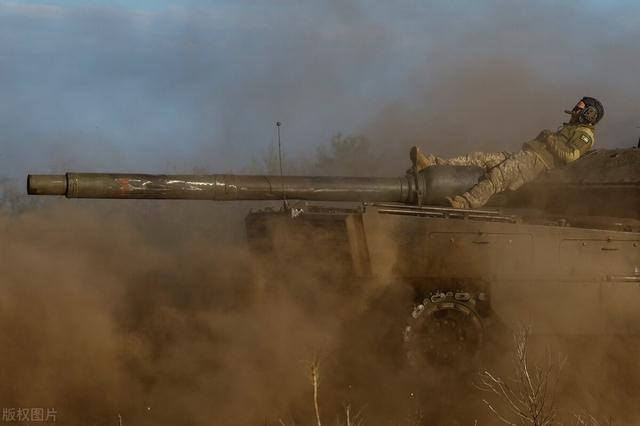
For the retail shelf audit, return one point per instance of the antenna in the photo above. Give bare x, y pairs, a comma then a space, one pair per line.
284, 195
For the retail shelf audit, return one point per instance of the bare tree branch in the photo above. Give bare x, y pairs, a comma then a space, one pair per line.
529, 396
315, 369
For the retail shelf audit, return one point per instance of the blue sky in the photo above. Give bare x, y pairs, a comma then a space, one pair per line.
166, 86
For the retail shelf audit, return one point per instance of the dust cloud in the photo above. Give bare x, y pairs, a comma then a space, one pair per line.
100, 318
157, 313
153, 313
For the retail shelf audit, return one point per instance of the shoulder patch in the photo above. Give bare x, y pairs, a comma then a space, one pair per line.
584, 138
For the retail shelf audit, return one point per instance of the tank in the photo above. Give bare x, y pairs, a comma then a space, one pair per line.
563, 252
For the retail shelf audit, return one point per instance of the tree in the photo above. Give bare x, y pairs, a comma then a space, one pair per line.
346, 155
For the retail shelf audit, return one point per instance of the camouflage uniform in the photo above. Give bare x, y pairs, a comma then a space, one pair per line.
509, 171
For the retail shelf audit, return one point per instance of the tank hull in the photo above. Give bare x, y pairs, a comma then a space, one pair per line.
566, 280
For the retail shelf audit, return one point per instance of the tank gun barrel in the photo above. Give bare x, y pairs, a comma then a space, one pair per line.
221, 187
430, 186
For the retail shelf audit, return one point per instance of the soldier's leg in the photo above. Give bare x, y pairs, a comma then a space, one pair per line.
486, 160
510, 174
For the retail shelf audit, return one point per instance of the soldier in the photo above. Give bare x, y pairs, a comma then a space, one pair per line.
505, 170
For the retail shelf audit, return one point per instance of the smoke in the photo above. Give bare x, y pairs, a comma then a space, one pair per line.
107, 87
102, 318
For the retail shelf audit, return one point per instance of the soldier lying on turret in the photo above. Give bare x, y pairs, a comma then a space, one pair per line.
505, 170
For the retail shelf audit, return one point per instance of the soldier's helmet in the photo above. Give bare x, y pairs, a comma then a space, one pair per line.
588, 111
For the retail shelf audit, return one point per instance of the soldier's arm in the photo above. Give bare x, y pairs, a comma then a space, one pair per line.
569, 150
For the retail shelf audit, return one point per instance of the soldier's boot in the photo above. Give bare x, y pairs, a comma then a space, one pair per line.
420, 160
459, 202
